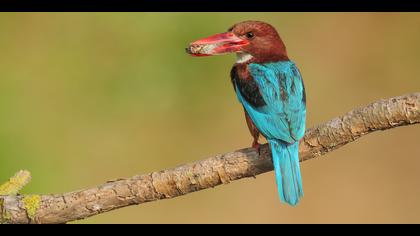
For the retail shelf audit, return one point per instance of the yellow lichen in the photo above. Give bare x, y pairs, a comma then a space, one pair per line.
31, 204
16, 183
5, 216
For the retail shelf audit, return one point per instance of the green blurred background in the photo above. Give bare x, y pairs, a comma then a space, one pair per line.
88, 97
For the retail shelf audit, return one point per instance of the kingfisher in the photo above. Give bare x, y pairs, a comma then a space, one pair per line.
270, 88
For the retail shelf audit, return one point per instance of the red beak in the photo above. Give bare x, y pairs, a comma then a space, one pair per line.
216, 45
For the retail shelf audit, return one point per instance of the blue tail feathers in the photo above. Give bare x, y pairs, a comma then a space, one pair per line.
287, 170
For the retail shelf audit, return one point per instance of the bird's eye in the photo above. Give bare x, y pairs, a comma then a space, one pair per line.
249, 35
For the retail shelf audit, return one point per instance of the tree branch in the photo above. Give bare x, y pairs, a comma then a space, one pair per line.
208, 173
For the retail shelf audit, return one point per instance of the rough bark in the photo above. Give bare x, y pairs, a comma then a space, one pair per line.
208, 173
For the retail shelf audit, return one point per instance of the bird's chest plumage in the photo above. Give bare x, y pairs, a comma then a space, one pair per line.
242, 79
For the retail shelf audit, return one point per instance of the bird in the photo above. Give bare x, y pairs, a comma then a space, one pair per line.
270, 88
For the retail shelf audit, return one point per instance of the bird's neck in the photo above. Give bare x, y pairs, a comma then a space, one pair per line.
246, 58
242, 71
243, 57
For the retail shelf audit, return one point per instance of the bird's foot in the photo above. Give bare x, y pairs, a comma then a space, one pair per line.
256, 146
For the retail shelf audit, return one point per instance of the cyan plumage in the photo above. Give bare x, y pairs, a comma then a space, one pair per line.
281, 121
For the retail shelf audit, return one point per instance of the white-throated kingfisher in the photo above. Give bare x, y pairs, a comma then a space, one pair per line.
270, 88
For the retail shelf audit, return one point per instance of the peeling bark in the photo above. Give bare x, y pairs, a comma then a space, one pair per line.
208, 173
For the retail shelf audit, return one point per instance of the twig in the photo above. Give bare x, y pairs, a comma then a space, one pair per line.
15, 183
208, 173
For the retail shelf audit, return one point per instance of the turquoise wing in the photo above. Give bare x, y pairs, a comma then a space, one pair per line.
284, 114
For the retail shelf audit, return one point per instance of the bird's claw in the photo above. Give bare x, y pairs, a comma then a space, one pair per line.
256, 146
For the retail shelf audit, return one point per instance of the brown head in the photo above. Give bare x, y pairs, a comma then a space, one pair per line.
252, 41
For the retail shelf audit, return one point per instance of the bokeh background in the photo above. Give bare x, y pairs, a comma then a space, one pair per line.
88, 97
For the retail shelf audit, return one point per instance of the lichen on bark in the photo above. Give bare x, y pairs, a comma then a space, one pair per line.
31, 204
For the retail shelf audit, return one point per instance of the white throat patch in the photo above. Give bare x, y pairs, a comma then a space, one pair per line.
242, 57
